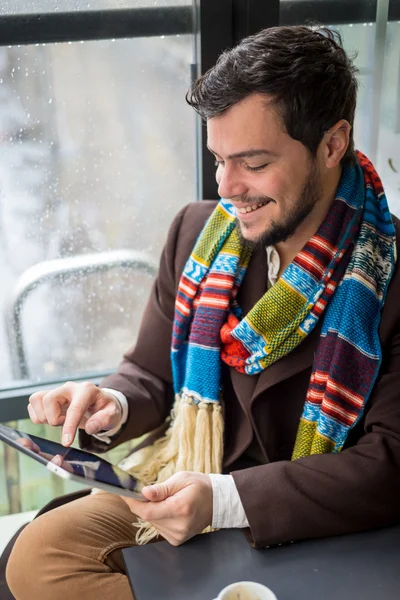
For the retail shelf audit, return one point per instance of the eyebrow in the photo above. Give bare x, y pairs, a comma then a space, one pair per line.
247, 153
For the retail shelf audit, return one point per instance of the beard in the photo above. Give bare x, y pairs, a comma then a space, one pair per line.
281, 231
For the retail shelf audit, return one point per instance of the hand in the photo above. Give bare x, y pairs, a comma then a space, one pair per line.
179, 508
75, 405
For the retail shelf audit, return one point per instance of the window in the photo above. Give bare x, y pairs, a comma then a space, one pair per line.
97, 155
377, 123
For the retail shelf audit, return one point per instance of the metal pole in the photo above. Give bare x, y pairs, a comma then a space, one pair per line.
382, 13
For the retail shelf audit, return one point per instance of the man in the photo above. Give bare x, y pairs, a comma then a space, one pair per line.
282, 305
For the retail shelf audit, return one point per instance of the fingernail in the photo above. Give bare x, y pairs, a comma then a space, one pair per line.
57, 460
153, 490
66, 439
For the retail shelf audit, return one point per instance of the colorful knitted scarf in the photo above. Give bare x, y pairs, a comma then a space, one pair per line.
340, 276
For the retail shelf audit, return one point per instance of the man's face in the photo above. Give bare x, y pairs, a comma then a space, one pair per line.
268, 176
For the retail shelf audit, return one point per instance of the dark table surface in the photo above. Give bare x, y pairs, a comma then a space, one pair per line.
361, 566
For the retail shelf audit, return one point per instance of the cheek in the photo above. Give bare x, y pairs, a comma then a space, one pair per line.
285, 187
274, 186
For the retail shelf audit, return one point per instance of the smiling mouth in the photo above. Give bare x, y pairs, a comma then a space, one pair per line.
251, 208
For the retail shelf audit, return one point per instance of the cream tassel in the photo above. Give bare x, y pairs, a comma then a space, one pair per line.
202, 440
217, 438
193, 442
187, 434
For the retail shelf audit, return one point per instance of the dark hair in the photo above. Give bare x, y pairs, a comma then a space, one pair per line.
305, 70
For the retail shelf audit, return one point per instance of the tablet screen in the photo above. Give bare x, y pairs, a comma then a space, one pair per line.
78, 462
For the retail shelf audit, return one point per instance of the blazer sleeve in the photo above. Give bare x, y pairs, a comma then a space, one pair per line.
332, 494
144, 375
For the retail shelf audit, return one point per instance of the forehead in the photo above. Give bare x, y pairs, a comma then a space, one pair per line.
251, 123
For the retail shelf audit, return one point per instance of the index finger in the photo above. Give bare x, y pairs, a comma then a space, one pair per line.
81, 401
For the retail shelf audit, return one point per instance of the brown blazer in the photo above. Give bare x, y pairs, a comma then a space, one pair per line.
316, 496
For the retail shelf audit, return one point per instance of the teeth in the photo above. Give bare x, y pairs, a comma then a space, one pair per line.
247, 209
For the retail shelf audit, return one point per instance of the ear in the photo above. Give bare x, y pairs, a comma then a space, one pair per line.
335, 143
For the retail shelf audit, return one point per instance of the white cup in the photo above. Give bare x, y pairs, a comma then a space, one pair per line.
246, 590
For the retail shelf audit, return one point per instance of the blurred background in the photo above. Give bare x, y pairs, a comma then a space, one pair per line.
98, 151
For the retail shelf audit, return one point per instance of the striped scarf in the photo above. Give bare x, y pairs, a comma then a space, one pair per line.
341, 275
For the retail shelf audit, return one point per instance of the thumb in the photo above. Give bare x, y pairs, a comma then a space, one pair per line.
101, 420
161, 491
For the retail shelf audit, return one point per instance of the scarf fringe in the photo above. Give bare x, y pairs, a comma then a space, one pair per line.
193, 442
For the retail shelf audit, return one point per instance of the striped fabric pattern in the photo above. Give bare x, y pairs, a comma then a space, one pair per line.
341, 275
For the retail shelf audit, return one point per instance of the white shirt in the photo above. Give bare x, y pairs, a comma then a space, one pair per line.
228, 511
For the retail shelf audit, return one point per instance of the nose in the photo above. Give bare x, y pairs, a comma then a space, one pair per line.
230, 182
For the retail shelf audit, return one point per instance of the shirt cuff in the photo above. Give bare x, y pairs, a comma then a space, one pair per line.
228, 512
105, 436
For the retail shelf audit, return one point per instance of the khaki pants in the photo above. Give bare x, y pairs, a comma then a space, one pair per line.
74, 551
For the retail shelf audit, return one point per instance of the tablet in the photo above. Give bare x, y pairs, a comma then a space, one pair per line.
77, 465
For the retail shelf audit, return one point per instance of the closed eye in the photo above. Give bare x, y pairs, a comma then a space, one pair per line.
219, 163
259, 168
